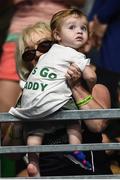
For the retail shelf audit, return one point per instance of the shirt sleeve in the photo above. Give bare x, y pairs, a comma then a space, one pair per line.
80, 60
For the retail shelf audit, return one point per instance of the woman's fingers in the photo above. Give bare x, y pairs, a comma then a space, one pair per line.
73, 72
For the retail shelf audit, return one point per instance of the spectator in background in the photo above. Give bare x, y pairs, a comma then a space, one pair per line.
105, 27
9, 80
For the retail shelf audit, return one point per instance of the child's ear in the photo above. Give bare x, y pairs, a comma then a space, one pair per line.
56, 35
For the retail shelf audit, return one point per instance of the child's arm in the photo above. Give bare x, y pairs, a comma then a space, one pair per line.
89, 76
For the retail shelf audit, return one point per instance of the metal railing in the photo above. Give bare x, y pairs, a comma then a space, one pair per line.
67, 115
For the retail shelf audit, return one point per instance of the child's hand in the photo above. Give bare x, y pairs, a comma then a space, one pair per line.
73, 74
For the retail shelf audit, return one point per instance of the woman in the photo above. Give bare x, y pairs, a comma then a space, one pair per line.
57, 163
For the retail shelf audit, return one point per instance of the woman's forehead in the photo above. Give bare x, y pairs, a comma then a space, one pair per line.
35, 38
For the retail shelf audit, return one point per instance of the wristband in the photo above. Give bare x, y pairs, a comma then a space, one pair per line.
84, 101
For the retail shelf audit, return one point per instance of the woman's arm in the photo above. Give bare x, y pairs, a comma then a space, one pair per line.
100, 100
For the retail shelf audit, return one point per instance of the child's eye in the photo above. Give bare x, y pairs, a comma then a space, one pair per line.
72, 27
84, 28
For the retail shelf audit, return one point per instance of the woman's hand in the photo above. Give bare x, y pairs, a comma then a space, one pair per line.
73, 75
98, 30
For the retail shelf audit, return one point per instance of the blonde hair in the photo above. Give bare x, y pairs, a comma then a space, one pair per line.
58, 18
27, 39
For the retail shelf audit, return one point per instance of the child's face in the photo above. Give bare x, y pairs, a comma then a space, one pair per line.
73, 32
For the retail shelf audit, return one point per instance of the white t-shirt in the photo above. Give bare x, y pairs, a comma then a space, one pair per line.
46, 89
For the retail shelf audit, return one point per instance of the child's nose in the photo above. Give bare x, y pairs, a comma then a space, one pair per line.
80, 30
